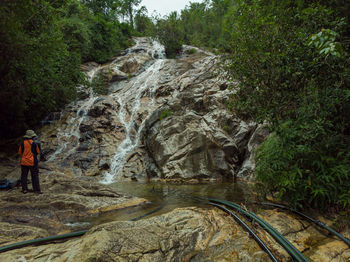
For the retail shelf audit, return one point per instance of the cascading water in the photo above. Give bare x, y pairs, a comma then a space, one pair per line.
71, 131
130, 97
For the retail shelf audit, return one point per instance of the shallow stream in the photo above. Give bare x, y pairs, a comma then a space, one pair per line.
163, 198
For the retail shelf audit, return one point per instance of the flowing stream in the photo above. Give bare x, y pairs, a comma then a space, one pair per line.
129, 96
129, 99
145, 82
71, 132
163, 198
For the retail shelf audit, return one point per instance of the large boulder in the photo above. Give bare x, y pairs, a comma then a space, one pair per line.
185, 146
125, 66
258, 136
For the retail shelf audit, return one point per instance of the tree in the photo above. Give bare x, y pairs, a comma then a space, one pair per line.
128, 8
42, 46
170, 33
144, 24
108, 8
39, 74
292, 61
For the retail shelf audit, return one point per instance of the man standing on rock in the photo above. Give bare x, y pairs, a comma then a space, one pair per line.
29, 151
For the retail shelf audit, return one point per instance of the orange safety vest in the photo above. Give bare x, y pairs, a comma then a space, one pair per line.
28, 153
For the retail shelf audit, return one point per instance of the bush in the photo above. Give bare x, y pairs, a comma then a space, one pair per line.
292, 61
170, 34
191, 51
165, 113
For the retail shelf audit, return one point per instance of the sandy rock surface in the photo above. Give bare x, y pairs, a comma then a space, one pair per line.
64, 199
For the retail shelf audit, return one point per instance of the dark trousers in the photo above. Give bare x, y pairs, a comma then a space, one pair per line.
34, 172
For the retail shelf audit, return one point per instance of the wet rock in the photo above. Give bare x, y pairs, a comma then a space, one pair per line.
64, 199
103, 164
248, 166
13, 233
223, 86
83, 147
88, 66
45, 153
85, 127
125, 66
85, 163
50, 118
97, 110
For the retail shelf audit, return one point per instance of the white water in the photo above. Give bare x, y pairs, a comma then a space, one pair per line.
145, 82
130, 97
71, 131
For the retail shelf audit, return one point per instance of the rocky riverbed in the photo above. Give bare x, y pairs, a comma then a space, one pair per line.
161, 120
186, 234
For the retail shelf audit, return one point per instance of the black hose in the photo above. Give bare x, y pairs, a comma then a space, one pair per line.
295, 253
63, 236
41, 240
246, 227
149, 213
317, 222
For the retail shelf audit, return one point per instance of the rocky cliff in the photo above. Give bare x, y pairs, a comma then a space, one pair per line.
161, 119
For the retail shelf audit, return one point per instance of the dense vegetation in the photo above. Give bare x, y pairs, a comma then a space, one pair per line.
292, 61
43, 44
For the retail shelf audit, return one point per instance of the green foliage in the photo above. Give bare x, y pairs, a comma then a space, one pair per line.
106, 39
143, 24
170, 33
226, 128
294, 74
191, 51
203, 22
165, 113
324, 42
42, 46
99, 85
39, 74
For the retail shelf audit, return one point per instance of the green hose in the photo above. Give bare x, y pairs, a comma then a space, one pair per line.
63, 236
41, 240
295, 253
317, 222
246, 227
149, 213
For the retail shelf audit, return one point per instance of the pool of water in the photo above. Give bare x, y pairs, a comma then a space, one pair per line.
163, 198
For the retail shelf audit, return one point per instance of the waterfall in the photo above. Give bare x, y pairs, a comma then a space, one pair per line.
129, 97
65, 135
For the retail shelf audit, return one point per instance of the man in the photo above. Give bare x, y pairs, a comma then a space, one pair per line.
29, 151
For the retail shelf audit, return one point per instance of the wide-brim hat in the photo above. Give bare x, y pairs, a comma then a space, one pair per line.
30, 134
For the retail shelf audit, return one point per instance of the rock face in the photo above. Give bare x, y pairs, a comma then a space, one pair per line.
187, 234
190, 234
186, 146
162, 119
194, 135
65, 199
